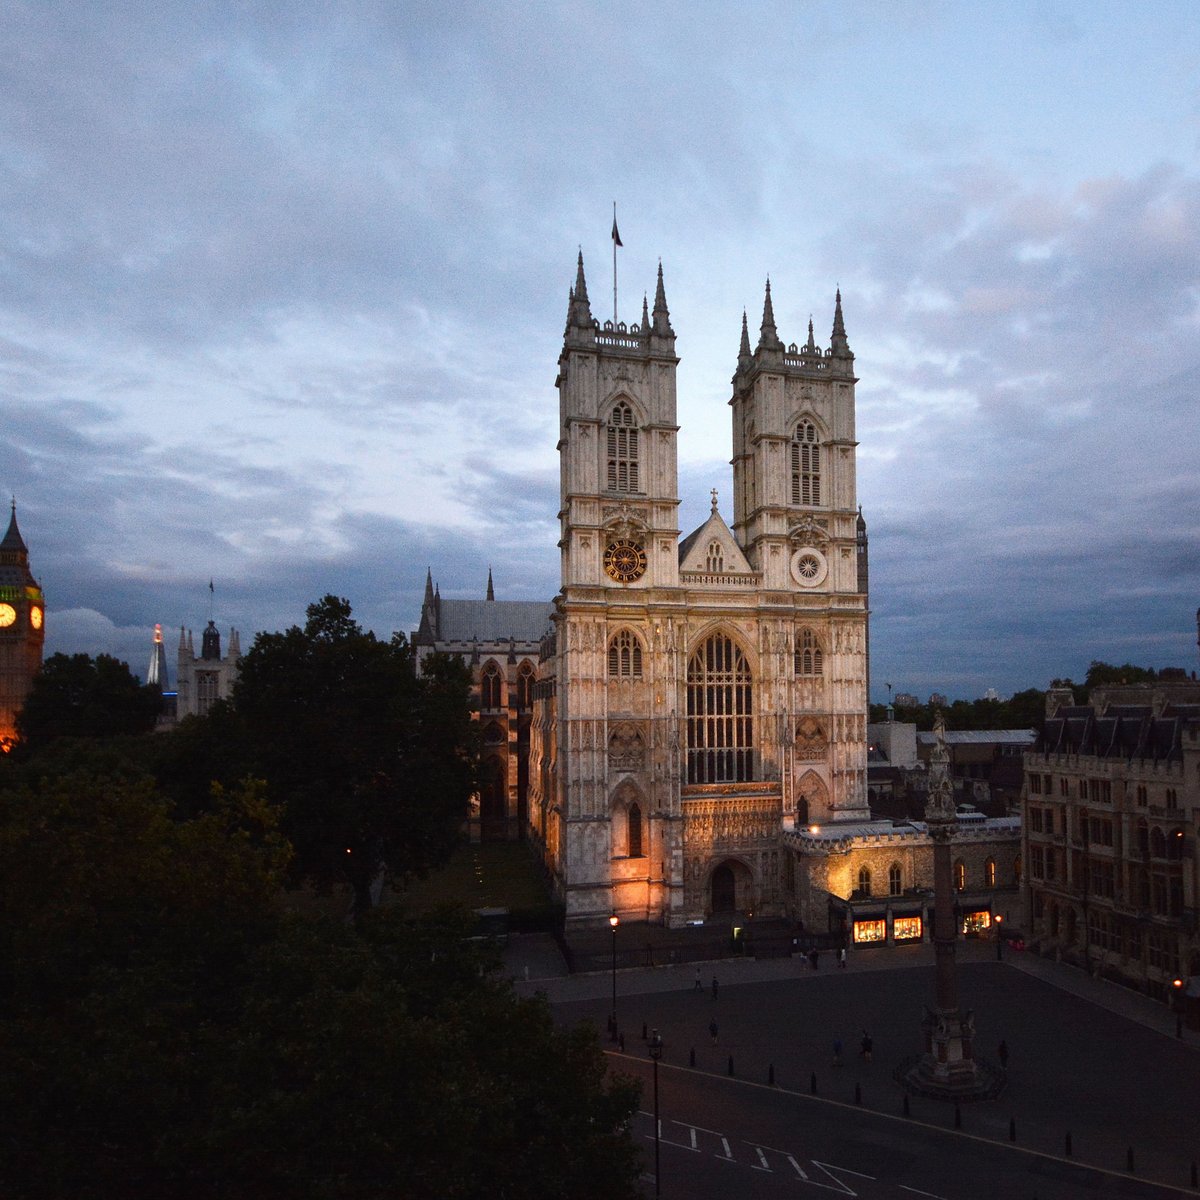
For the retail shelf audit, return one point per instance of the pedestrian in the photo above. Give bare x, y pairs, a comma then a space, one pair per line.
1003, 1053
712, 1029
837, 1051
714, 987
842, 957
699, 985
814, 958
867, 1046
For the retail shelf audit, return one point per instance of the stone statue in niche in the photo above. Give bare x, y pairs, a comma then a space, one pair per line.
626, 748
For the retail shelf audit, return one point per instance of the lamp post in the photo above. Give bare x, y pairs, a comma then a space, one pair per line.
614, 921
656, 1049
999, 939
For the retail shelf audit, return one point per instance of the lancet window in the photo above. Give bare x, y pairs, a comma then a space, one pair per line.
622, 450
489, 688
624, 656
809, 658
720, 723
714, 561
806, 465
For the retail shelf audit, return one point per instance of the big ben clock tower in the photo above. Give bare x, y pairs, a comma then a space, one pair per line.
22, 629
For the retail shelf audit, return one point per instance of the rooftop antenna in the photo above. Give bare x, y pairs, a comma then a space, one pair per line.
211, 597
616, 241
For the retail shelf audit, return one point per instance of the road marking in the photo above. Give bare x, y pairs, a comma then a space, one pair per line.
782, 1153
842, 1185
918, 1192
724, 1140
762, 1158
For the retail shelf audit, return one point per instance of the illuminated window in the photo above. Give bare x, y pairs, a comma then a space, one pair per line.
960, 875
624, 656
989, 872
715, 559
489, 687
870, 931
622, 450
895, 880
720, 725
864, 881
806, 465
976, 922
809, 659
907, 929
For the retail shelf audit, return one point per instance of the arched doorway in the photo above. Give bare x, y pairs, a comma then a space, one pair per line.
724, 889
730, 888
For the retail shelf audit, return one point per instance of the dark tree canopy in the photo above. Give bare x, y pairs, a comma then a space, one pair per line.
1024, 710
166, 1031
372, 764
77, 696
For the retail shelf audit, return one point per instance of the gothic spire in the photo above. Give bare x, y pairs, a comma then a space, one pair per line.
491, 592
838, 343
662, 318
645, 314
811, 344
744, 352
579, 313
428, 588
768, 335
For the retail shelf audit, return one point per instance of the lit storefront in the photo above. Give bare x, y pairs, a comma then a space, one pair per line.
907, 929
976, 924
870, 931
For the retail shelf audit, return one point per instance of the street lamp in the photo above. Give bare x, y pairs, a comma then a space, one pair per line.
656, 1049
614, 921
999, 939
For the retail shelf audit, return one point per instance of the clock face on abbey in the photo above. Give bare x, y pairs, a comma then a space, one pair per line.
625, 561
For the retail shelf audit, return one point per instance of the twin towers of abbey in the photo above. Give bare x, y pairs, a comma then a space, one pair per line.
700, 708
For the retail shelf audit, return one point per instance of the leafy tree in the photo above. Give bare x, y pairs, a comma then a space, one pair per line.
1100, 673
373, 764
77, 696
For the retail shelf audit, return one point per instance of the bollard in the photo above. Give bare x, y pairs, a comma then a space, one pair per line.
771, 1075
731, 1064
906, 1112
812, 1083
857, 1093
957, 1116
1068, 1147
1129, 1160
692, 1057
1012, 1129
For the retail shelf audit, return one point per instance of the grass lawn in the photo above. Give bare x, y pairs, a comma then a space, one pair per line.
486, 875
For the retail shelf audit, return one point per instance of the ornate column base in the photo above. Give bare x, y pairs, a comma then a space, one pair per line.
948, 1069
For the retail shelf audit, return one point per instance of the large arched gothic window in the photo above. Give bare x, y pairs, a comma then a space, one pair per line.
622, 450
720, 726
809, 659
806, 465
624, 656
634, 845
489, 688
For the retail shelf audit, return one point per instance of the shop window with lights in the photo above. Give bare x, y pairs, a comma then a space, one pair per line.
872, 932
907, 929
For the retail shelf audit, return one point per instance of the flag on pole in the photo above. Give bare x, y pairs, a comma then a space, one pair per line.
616, 237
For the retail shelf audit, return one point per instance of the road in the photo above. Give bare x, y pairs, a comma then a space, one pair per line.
723, 1138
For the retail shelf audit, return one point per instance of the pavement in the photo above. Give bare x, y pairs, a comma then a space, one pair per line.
1093, 1066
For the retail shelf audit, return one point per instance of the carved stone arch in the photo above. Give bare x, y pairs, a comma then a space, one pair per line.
737, 636
626, 747
805, 413
621, 395
729, 885
812, 797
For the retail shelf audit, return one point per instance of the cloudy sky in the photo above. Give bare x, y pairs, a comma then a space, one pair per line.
282, 289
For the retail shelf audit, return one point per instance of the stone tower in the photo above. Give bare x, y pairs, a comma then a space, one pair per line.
22, 629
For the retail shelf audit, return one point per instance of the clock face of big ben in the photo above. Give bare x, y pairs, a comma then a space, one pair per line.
8, 615
35, 617
624, 560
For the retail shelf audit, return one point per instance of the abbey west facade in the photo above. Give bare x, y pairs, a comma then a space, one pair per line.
698, 699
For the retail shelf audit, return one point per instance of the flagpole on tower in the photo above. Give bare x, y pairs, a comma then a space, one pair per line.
616, 241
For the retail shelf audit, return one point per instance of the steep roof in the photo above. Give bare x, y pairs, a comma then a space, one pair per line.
492, 620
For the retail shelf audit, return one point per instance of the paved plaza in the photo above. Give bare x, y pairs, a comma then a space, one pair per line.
1087, 1059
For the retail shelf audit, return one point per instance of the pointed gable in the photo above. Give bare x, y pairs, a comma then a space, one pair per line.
712, 550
